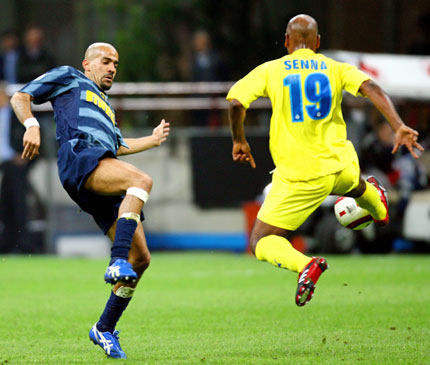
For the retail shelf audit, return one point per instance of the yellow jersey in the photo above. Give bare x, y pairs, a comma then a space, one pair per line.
307, 130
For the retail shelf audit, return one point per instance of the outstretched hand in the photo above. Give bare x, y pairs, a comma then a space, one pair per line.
31, 143
242, 153
161, 132
406, 136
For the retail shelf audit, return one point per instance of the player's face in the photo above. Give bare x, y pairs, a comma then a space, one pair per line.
102, 68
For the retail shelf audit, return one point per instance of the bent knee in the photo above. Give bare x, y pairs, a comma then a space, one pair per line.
357, 191
253, 240
143, 181
146, 182
261, 230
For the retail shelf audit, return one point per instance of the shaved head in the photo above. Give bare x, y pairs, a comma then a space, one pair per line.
303, 26
302, 32
94, 50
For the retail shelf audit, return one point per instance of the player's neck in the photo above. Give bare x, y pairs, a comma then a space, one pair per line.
299, 47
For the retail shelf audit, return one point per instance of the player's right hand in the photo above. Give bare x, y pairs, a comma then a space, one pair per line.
242, 153
31, 143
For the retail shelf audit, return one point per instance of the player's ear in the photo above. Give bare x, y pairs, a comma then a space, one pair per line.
86, 65
317, 43
287, 41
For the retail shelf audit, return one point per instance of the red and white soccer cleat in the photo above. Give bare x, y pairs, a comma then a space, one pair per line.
308, 278
384, 198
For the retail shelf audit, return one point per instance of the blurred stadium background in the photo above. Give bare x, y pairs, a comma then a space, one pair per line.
201, 200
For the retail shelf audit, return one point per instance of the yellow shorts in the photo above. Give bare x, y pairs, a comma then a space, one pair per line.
289, 203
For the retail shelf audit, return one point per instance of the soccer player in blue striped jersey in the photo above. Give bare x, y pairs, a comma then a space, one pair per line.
112, 191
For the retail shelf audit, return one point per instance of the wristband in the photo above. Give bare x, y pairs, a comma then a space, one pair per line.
31, 122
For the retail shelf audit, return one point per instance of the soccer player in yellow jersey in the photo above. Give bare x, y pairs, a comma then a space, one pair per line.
308, 145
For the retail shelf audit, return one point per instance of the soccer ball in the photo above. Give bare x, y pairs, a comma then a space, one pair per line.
350, 215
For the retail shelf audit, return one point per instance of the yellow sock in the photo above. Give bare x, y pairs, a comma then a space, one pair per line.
371, 201
279, 252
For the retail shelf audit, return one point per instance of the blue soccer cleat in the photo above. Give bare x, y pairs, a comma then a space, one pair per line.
109, 342
120, 271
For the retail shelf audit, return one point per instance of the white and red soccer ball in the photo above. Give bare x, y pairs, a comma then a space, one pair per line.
350, 215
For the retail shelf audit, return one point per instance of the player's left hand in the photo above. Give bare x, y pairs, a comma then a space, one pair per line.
161, 132
406, 136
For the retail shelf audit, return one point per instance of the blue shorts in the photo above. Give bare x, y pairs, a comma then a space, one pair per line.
77, 159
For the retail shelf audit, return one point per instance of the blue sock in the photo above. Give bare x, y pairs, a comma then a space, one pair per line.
115, 306
125, 229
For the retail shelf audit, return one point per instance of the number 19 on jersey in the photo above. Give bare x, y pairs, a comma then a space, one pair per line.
317, 93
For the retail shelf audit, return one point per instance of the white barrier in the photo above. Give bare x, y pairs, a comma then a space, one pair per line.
400, 76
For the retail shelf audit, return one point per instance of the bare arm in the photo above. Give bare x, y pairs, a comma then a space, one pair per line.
159, 135
404, 135
241, 150
21, 104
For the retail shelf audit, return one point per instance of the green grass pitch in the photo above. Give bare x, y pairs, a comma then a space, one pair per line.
216, 308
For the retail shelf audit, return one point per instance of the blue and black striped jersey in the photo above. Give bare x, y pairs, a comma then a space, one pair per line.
81, 109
